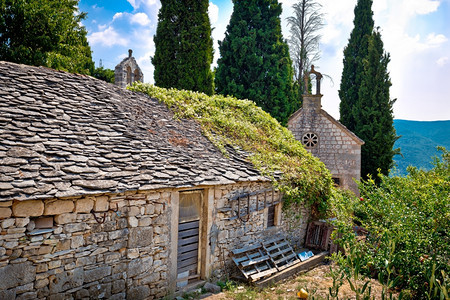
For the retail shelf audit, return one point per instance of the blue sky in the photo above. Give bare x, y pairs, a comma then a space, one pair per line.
416, 33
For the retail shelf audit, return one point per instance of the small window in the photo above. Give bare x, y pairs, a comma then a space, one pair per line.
271, 216
336, 181
310, 140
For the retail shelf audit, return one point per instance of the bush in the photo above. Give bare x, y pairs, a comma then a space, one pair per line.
411, 215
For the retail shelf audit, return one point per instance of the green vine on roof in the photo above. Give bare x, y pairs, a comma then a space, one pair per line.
273, 149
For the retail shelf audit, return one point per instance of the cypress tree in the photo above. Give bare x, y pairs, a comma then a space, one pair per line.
255, 62
366, 107
374, 121
184, 47
354, 53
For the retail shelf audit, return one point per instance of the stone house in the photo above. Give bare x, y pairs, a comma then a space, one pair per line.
326, 138
127, 71
103, 194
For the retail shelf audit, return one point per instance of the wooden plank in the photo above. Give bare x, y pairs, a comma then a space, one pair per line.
255, 261
187, 262
188, 232
246, 257
188, 268
187, 248
288, 265
262, 274
188, 254
280, 252
188, 278
285, 258
268, 249
246, 249
254, 270
182, 242
188, 225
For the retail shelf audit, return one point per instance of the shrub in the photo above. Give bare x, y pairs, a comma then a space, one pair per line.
411, 215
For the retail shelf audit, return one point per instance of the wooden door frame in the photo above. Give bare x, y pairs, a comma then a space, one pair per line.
205, 227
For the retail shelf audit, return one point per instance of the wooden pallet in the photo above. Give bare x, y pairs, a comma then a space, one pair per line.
263, 259
281, 253
253, 262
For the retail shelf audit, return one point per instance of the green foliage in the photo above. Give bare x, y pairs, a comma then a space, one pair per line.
366, 108
407, 220
273, 149
183, 46
45, 33
104, 74
255, 62
374, 121
354, 53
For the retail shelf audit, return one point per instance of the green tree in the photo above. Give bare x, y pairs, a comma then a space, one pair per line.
354, 53
184, 47
366, 107
374, 121
45, 33
255, 62
104, 74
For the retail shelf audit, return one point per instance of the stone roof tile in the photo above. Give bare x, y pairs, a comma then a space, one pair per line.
65, 135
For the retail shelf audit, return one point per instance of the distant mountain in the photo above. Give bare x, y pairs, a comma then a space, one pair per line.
418, 142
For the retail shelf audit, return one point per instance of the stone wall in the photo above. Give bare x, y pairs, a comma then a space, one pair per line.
125, 255
336, 147
229, 232
119, 246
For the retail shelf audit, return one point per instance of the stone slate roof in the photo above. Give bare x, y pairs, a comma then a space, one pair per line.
64, 135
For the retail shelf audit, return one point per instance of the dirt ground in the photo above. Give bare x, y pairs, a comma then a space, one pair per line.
316, 282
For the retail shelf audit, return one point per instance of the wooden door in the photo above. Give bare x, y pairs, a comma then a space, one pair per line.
189, 221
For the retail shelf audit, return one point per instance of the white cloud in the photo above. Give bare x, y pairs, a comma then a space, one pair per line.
137, 3
442, 61
434, 40
108, 37
213, 12
140, 18
117, 16
422, 7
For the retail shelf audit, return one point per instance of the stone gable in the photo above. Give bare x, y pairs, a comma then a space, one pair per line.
127, 71
336, 146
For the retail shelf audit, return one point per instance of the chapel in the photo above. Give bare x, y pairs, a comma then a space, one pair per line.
326, 138
128, 71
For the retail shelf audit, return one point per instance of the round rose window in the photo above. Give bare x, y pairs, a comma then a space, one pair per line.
310, 140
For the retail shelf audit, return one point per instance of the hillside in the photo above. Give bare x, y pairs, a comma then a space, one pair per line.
418, 142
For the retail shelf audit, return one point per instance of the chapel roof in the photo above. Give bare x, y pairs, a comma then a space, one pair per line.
64, 135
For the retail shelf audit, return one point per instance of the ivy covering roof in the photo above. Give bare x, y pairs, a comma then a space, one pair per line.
272, 148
